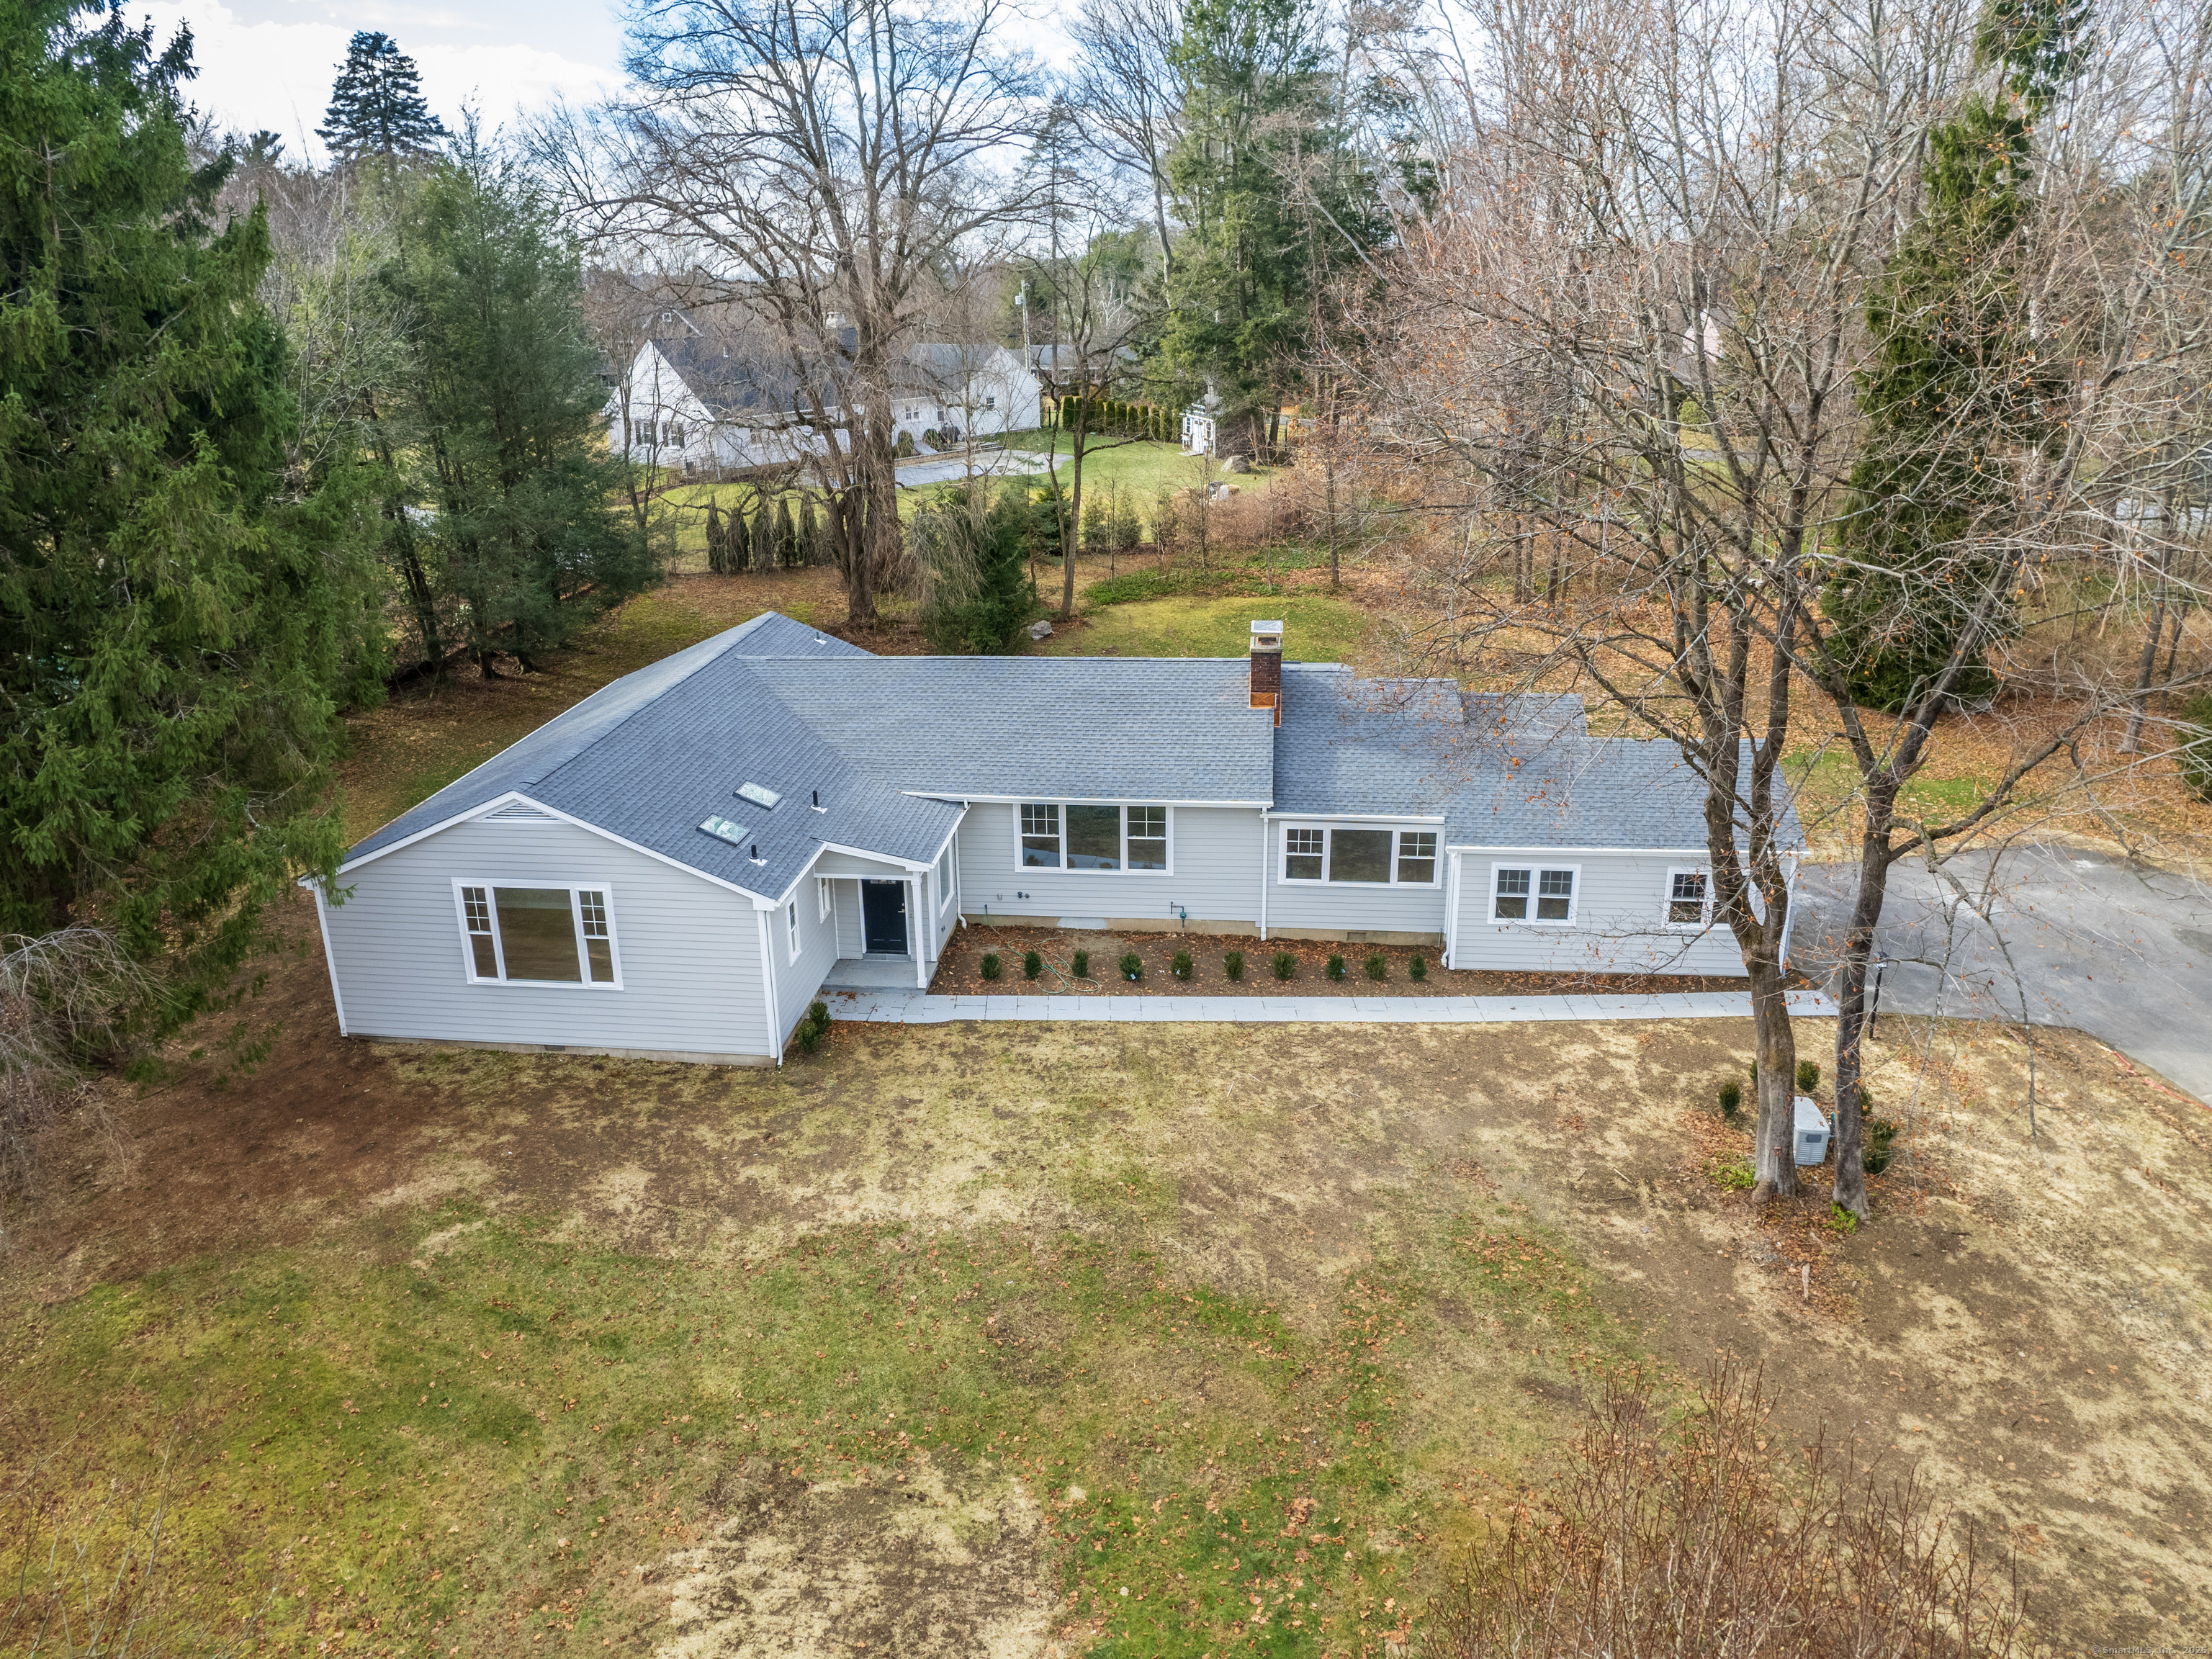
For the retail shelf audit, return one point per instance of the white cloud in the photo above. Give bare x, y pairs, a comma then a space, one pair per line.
277, 74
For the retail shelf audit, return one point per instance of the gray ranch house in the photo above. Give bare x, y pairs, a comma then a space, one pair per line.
677, 866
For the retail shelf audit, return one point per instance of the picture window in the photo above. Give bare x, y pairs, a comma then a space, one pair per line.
1360, 856
1094, 839
539, 935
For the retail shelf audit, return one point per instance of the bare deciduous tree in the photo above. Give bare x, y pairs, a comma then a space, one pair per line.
817, 166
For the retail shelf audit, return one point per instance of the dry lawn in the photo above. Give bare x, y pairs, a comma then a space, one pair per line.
551, 1354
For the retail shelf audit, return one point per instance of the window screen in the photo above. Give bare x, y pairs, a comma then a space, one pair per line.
1555, 895
1302, 854
1417, 856
1094, 837
538, 932
1041, 837
1148, 837
1685, 897
1359, 855
1512, 902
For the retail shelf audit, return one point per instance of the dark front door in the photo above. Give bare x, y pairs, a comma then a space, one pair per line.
883, 917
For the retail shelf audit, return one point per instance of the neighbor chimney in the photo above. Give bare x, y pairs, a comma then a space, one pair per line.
1267, 667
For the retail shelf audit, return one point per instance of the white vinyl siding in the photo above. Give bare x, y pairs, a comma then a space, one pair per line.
688, 952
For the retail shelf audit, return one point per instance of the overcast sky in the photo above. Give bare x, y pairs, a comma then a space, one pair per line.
270, 63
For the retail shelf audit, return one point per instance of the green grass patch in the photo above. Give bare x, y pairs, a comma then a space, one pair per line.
1830, 779
1319, 628
482, 1445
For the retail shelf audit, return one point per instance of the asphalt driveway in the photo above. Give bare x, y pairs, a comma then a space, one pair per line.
2121, 951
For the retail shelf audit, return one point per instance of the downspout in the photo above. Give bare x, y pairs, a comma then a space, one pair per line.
1265, 854
1790, 900
1451, 911
914, 889
768, 983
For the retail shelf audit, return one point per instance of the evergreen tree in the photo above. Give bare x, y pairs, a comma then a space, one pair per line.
741, 543
182, 599
1955, 397
717, 549
812, 549
503, 398
1258, 252
377, 107
976, 550
787, 537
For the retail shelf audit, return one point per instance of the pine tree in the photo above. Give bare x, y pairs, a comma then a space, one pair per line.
740, 544
183, 599
1954, 399
502, 399
377, 107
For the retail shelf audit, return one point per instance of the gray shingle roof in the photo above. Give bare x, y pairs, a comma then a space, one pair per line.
893, 745
651, 757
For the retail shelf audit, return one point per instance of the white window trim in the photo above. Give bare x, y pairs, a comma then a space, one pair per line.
1062, 869
606, 891
943, 871
1667, 899
822, 902
791, 941
1536, 869
1328, 826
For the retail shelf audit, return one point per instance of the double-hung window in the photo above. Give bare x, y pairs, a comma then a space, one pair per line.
1689, 898
791, 929
1515, 888
1372, 857
1062, 835
539, 935
823, 900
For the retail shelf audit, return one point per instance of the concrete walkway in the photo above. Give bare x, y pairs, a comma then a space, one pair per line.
920, 1008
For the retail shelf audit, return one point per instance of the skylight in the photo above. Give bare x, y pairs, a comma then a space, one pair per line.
759, 795
723, 829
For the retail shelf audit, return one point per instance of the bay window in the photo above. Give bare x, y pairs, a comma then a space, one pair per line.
539, 935
1093, 839
1359, 855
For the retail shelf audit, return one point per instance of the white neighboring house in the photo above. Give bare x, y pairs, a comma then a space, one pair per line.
693, 404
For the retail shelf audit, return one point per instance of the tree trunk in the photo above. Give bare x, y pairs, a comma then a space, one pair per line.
1328, 466
2145, 668
1070, 525
1774, 1165
1875, 858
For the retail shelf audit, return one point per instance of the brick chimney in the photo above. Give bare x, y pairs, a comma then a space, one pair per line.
1267, 667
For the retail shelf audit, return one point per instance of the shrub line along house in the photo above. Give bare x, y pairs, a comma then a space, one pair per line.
677, 866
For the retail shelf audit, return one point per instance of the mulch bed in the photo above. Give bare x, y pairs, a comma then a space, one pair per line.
961, 972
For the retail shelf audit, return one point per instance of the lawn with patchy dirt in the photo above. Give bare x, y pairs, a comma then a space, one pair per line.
1038, 1340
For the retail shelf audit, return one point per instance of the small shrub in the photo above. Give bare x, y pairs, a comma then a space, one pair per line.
990, 964
809, 1036
1376, 967
1808, 1076
1233, 964
1754, 1076
1335, 968
1032, 964
1417, 968
818, 1011
1731, 1098
1874, 1146
1736, 1175
1842, 1220
1285, 964
1080, 961
1179, 964
1132, 965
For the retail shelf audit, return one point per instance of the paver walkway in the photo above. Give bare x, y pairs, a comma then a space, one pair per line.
920, 1008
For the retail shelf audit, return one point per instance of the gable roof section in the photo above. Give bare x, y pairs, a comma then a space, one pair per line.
890, 744
524, 766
